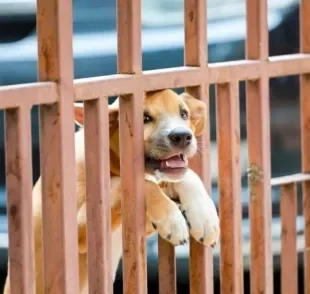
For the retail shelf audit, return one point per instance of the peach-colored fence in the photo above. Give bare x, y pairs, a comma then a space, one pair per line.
55, 93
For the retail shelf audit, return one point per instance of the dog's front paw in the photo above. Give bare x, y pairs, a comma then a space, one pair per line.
172, 227
203, 220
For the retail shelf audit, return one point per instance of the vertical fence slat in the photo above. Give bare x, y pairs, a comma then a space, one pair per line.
54, 25
289, 262
257, 29
19, 199
258, 132
129, 55
98, 196
167, 267
305, 133
195, 21
201, 258
228, 140
131, 148
196, 54
133, 200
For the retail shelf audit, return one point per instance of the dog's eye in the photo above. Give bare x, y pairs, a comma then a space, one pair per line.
184, 114
147, 118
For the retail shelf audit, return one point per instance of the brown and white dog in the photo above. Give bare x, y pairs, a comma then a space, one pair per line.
176, 200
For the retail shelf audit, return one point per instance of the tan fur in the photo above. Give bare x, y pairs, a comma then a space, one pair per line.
162, 211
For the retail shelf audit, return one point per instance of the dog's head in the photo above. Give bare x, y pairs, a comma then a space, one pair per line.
171, 124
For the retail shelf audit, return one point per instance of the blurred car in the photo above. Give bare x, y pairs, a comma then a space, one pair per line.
95, 50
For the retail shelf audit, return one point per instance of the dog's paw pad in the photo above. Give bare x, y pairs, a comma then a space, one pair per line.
203, 222
173, 228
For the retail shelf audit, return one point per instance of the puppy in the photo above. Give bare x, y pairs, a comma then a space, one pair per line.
171, 123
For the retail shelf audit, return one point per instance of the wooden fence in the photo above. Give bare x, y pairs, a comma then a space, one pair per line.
57, 90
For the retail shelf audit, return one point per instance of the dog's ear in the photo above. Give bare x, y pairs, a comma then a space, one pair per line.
198, 113
113, 114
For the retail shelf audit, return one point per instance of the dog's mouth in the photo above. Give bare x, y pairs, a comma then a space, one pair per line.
168, 164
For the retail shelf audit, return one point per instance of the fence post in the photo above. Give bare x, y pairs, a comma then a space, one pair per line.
19, 199
305, 133
196, 54
54, 25
97, 167
258, 134
131, 150
229, 186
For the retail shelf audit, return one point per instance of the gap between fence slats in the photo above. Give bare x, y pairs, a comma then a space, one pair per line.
228, 142
305, 133
289, 262
19, 199
258, 134
55, 63
98, 196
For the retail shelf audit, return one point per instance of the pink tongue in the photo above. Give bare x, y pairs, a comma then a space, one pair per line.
173, 162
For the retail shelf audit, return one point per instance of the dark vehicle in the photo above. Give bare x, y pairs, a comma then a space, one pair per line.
95, 49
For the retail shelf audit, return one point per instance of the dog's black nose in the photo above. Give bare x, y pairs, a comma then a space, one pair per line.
180, 137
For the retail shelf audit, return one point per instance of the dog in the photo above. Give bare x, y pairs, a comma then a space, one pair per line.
177, 203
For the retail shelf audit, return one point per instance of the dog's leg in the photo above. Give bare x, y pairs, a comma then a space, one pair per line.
116, 233
115, 214
117, 247
81, 220
117, 250
198, 208
165, 215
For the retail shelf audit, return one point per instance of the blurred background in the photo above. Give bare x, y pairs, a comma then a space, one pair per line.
94, 46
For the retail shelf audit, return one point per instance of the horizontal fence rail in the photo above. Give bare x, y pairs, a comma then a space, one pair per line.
55, 93
288, 213
122, 84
